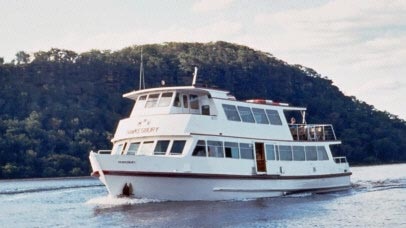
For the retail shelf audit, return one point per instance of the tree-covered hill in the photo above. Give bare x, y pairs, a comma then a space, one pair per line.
56, 106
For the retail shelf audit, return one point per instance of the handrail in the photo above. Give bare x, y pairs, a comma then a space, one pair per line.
104, 151
313, 132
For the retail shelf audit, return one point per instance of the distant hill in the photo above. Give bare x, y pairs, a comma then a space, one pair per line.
56, 106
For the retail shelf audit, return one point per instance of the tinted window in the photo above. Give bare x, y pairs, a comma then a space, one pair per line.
194, 102
298, 153
231, 150
246, 114
285, 153
260, 116
231, 112
246, 151
273, 117
215, 148
270, 152
161, 147
200, 149
177, 146
176, 102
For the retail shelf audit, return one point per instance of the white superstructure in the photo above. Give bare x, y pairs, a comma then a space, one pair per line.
192, 143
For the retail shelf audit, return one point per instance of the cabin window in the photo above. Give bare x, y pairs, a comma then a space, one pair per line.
152, 100
246, 114
231, 112
273, 117
177, 146
194, 102
260, 116
165, 99
142, 98
285, 153
133, 149
247, 151
322, 153
119, 148
311, 153
146, 148
298, 153
215, 149
200, 149
270, 152
185, 101
161, 147
231, 150
205, 110
177, 103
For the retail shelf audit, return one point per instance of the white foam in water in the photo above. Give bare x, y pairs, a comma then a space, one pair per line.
118, 201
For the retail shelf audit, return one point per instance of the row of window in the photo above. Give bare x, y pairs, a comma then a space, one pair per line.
164, 100
273, 152
160, 147
252, 115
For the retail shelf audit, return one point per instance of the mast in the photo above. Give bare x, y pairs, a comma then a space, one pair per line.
142, 78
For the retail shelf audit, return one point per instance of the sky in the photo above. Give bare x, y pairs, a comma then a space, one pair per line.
360, 45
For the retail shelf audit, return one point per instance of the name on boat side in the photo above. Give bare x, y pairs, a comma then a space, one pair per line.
143, 127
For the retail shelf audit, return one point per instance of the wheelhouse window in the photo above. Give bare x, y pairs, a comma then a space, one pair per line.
246, 114
133, 148
298, 153
215, 149
322, 153
200, 149
119, 148
146, 148
285, 153
247, 151
273, 117
270, 152
185, 101
152, 100
161, 147
165, 100
260, 116
176, 102
142, 98
177, 146
311, 153
231, 112
231, 150
194, 101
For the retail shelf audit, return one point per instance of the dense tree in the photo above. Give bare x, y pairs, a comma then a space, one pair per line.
59, 106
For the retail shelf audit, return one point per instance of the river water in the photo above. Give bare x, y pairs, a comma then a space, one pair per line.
377, 199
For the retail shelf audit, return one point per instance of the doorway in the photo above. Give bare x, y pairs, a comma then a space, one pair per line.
260, 157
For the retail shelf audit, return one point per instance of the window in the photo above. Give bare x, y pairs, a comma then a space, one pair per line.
194, 102
322, 153
146, 148
176, 103
119, 148
285, 153
260, 116
246, 114
161, 147
270, 152
142, 98
247, 151
200, 149
165, 99
273, 117
205, 110
298, 153
231, 112
215, 149
311, 153
152, 100
133, 148
231, 150
177, 146
185, 102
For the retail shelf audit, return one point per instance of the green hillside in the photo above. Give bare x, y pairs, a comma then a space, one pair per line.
56, 106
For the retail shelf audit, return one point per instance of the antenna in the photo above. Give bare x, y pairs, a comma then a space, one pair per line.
194, 77
142, 78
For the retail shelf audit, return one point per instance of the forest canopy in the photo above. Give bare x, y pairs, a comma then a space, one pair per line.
57, 105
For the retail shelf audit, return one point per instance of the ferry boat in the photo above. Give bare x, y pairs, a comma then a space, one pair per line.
197, 143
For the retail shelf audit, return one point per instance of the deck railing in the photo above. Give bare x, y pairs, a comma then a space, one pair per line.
104, 152
312, 132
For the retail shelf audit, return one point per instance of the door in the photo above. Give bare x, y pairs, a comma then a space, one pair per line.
260, 157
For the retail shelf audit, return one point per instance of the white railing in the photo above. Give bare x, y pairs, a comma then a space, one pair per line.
312, 132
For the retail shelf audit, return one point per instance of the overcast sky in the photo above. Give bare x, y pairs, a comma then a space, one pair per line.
360, 45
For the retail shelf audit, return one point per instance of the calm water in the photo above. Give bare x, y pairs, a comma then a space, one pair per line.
377, 199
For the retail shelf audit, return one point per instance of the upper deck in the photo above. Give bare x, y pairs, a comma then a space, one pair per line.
190, 110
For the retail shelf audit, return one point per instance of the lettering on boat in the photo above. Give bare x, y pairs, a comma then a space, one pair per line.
126, 162
143, 130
